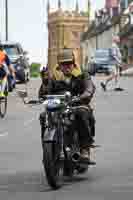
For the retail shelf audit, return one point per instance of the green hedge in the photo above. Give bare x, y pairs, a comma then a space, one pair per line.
34, 70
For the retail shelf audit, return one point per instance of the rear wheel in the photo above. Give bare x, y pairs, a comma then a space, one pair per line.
3, 106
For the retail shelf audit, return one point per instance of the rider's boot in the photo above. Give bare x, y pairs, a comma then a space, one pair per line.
85, 156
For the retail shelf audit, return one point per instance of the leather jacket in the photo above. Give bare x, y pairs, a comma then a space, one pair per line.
81, 86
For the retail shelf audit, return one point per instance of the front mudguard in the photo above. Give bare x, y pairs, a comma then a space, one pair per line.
50, 135
47, 134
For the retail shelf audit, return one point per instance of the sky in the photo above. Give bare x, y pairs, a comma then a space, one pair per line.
28, 23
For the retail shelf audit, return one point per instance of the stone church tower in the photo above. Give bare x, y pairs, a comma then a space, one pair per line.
64, 30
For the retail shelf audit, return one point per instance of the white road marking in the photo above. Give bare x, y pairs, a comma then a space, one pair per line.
4, 134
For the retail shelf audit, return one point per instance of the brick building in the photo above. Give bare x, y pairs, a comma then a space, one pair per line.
64, 30
112, 3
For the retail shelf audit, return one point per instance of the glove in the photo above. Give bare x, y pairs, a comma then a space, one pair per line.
75, 100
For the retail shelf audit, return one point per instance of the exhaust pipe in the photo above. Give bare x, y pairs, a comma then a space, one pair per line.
76, 157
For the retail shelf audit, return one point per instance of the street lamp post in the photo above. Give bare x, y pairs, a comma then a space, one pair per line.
6, 18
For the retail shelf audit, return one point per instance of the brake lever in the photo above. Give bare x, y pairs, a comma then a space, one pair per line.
32, 102
74, 101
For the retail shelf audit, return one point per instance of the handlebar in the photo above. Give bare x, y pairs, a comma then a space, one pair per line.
73, 100
67, 96
55, 96
41, 101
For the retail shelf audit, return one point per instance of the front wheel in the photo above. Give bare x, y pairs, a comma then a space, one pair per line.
53, 165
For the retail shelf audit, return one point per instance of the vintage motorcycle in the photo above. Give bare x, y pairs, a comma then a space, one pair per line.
60, 142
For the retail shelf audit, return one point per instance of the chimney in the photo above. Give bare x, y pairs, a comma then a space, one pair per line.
113, 7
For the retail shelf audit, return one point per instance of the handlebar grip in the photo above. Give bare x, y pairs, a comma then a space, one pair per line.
75, 100
33, 102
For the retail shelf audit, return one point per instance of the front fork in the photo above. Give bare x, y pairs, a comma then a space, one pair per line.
60, 137
42, 120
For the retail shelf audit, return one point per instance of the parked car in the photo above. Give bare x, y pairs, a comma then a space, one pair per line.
101, 62
19, 60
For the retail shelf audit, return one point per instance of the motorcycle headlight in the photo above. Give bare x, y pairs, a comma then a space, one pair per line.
18, 67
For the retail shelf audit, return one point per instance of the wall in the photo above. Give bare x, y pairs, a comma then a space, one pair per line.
103, 40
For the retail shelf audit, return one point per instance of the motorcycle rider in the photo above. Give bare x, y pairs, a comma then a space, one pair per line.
79, 84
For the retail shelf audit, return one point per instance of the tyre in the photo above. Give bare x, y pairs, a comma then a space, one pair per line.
107, 73
27, 77
52, 165
3, 107
20, 76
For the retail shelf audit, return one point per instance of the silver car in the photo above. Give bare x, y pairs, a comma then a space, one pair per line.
19, 60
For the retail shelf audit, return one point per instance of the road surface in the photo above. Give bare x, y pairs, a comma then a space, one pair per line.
21, 171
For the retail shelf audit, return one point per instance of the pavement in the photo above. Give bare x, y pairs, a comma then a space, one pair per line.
21, 171
128, 72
